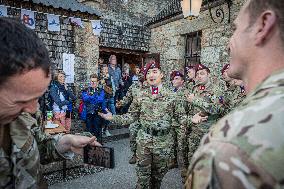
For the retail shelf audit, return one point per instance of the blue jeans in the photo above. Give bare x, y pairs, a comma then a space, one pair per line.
110, 103
94, 124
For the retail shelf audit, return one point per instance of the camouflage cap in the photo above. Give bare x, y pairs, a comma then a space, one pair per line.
225, 67
151, 65
175, 73
201, 67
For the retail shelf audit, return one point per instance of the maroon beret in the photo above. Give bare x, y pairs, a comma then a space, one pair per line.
151, 65
226, 66
187, 68
201, 67
175, 73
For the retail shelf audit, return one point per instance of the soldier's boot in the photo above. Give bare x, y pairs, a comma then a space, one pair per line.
132, 160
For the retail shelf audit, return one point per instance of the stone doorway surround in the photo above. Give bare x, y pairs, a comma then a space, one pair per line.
124, 56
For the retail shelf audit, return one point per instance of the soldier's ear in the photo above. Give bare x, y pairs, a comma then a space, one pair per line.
162, 75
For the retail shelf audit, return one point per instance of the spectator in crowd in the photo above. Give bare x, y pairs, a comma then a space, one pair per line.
62, 100
135, 76
115, 73
24, 76
94, 100
107, 83
245, 148
127, 83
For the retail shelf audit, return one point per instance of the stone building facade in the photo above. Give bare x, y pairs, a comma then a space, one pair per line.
128, 11
123, 31
70, 39
169, 31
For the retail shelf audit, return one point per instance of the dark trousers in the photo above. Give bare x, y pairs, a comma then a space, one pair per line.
94, 125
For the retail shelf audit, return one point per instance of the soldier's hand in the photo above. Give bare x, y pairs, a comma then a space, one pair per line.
197, 118
189, 97
75, 143
107, 116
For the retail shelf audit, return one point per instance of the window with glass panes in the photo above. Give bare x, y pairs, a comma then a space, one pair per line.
192, 48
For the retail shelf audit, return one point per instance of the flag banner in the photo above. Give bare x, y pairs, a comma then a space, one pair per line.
53, 22
68, 67
77, 22
3, 11
97, 27
28, 18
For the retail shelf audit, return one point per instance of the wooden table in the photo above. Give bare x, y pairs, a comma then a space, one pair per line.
57, 130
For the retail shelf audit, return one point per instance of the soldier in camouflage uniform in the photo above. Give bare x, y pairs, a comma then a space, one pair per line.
180, 146
245, 148
234, 92
190, 78
23, 57
156, 108
204, 102
132, 92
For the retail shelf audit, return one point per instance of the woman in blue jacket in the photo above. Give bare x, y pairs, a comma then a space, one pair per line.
94, 101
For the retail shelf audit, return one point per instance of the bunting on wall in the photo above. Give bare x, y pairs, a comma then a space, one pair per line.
97, 27
53, 22
28, 18
77, 22
3, 11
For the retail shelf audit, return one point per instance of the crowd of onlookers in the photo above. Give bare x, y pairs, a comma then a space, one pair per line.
99, 94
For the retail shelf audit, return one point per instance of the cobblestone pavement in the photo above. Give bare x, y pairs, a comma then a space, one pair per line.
122, 176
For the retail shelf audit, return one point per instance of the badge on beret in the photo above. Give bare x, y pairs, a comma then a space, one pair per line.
151, 65
202, 67
175, 73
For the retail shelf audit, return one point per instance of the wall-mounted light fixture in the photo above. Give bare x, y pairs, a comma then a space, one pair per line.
191, 9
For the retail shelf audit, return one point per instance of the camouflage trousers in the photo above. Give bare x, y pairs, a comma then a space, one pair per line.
195, 136
153, 156
133, 129
181, 152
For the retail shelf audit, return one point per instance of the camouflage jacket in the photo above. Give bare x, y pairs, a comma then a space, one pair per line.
133, 90
29, 146
206, 100
158, 113
233, 96
189, 85
245, 149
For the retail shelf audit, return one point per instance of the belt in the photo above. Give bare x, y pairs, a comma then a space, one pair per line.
156, 132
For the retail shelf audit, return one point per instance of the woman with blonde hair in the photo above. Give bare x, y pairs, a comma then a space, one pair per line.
62, 100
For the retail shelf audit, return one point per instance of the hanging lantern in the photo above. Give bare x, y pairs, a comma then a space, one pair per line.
191, 8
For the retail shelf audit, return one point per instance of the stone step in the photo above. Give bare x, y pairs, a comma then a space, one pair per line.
114, 126
116, 134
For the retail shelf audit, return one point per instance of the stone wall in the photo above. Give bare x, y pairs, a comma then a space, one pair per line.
70, 39
169, 40
117, 34
86, 54
129, 11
